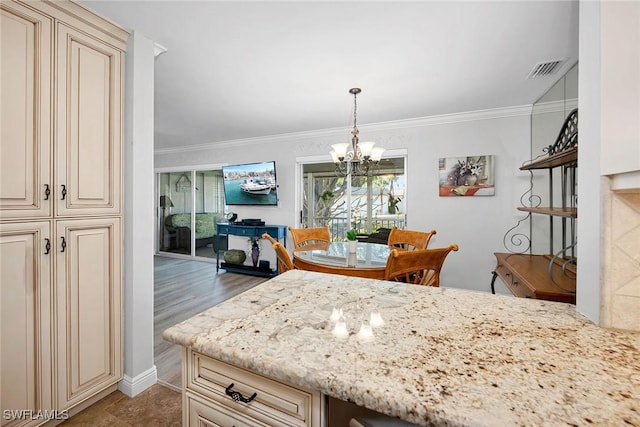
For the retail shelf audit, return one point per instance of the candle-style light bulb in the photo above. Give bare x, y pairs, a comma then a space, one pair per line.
340, 330
376, 320
366, 333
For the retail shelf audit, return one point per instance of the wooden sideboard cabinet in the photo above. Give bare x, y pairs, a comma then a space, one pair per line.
550, 276
60, 205
210, 386
527, 276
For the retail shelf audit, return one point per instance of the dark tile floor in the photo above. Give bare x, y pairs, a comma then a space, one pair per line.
158, 406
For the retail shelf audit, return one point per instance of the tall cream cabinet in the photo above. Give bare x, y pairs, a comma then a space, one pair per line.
61, 89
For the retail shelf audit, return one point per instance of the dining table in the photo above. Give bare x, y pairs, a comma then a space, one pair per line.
369, 259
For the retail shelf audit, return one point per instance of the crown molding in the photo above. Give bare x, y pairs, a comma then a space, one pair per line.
555, 106
468, 116
158, 49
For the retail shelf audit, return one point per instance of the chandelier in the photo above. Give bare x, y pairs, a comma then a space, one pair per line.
357, 158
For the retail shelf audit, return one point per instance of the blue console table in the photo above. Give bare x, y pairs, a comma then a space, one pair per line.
278, 232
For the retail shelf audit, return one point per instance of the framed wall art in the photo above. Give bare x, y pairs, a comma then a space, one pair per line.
466, 176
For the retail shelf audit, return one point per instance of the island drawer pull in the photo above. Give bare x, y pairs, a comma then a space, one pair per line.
237, 396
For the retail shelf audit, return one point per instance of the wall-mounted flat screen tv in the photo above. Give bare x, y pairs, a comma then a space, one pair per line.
250, 184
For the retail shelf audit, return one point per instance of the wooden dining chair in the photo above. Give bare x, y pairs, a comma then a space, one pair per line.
284, 260
419, 267
309, 236
409, 239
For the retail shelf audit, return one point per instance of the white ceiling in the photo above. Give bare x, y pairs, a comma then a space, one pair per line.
237, 69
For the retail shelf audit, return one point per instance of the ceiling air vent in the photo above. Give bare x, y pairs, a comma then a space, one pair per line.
546, 68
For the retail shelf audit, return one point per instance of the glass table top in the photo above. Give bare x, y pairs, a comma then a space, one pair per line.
368, 255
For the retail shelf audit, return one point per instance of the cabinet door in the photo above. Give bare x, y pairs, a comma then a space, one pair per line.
25, 105
89, 132
88, 297
25, 318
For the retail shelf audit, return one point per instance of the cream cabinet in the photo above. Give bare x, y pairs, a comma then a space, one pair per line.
220, 394
61, 87
88, 305
25, 309
86, 108
88, 148
203, 413
25, 112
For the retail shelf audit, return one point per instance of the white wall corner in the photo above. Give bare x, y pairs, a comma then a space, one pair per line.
138, 209
134, 386
588, 296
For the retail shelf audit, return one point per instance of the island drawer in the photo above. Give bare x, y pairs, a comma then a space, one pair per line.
275, 403
199, 412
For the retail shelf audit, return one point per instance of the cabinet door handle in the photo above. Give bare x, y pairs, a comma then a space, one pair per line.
64, 244
237, 396
47, 191
64, 191
47, 246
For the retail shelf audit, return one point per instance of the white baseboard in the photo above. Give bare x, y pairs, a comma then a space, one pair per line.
133, 386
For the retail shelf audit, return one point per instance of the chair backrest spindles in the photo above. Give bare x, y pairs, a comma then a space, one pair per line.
420, 266
309, 236
409, 239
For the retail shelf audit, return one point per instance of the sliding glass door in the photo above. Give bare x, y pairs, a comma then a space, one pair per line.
175, 208
189, 200
364, 204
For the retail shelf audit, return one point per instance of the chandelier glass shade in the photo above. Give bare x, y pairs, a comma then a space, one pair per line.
356, 158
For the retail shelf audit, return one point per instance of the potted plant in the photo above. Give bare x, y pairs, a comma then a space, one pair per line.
351, 237
393, 204
326, 196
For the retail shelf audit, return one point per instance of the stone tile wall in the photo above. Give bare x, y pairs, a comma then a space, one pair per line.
621, 261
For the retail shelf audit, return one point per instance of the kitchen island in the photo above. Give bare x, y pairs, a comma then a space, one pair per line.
443, 356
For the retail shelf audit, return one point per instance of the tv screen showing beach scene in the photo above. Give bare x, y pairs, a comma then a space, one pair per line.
250, 184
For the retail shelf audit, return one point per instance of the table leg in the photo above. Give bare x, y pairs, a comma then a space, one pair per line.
218, 252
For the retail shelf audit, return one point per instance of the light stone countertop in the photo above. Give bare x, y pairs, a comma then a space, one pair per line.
444, 356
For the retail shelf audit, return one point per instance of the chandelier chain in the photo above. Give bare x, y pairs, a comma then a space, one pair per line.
355, 114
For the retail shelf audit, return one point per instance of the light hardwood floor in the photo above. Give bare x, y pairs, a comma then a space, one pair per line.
182, 289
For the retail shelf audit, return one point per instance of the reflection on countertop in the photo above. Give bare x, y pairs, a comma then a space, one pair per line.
441, 356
